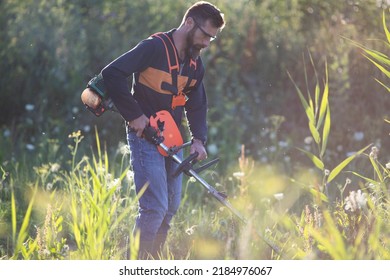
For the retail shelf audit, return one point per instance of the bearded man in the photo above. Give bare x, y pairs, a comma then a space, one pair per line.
167, 74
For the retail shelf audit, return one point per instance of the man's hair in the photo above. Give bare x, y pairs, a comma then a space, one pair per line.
202, 11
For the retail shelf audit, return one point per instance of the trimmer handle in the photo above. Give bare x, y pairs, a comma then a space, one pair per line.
186, 165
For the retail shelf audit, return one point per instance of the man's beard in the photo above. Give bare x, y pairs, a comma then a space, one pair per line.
192, 50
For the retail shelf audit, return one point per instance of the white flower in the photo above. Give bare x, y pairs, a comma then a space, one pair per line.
355, 201
130, 176
388, 165
374, 152
123, 149
114, 183
326, 172
191, 230
361, 199
55, 167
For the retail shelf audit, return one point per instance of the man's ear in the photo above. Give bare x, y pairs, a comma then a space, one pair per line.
189, 22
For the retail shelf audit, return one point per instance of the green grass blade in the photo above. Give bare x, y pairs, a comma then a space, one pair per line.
379, 66
314, 133
317, 89
325, 132
309, 110
325, 99
317, 162
377, 170
13, 211
382, 84
385, 27
344, 163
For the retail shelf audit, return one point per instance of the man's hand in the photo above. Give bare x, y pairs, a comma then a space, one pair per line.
139, 124
197, 146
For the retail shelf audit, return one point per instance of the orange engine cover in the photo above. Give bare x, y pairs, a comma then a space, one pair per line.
164, 123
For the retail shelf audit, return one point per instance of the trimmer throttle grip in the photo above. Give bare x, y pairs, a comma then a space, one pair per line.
186, 164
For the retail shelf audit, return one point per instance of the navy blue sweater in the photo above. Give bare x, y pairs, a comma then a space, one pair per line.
148, 66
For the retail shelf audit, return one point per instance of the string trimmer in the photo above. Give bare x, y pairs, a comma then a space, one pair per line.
164, 133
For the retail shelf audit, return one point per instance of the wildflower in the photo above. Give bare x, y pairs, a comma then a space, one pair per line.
114, 183
130, 175
361, 199
75, 134
191, 230
192, 180
355, 201
55, 167
374, 152
49, 186
123, 149
388, 165
326, 172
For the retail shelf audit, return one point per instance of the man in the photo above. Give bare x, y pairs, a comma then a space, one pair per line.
160, 84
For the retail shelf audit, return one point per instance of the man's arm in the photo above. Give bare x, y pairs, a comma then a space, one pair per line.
196, 112
116, 74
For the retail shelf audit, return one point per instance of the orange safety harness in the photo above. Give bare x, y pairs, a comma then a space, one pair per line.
179, 95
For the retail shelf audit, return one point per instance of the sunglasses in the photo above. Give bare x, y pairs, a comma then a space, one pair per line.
212, 38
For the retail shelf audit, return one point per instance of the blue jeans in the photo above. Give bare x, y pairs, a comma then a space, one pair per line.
162, 197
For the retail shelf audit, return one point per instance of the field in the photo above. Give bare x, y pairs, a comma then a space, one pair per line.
303, 143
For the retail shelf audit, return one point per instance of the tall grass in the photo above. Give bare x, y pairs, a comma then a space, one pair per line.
352, 225
87, 214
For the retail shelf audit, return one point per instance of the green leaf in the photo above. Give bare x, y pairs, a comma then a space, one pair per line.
309, 110
13, 212
316, 193
343, 164
382, 84
377, 170
385, 27
380, 67
314, 133
324, 100
325, 133
317, 162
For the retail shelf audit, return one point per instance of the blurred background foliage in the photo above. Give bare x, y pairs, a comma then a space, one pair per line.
49, 49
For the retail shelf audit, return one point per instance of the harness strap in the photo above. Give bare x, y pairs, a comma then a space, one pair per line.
178, 98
